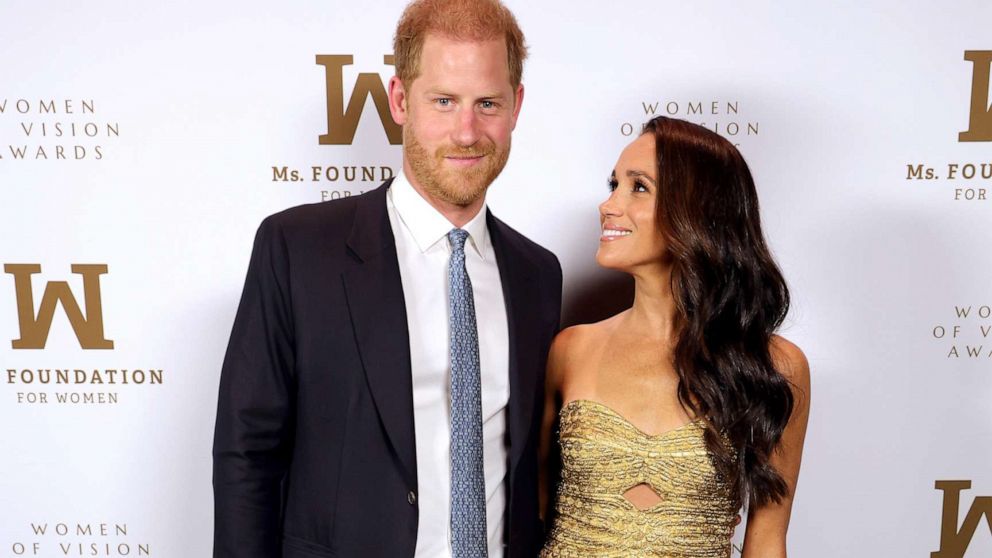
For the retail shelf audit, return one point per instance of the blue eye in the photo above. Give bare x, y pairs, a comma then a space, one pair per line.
443, 102
489, 106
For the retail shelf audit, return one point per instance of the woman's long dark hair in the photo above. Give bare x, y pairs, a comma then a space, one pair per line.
730, 297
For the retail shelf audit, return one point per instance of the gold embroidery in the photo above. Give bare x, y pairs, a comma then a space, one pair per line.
603, 456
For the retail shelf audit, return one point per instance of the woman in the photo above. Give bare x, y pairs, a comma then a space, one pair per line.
679, 410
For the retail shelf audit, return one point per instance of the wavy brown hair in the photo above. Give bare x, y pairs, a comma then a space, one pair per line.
730, 297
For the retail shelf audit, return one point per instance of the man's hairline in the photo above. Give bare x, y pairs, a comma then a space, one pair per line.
441, 34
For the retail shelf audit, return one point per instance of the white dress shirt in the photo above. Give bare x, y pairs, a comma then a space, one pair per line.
423, 251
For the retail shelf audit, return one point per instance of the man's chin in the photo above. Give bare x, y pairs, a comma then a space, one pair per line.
462, 196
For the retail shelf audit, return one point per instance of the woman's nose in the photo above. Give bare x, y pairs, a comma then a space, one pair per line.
610, 206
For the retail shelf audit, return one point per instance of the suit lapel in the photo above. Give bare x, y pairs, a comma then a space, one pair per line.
520, 292
378, 315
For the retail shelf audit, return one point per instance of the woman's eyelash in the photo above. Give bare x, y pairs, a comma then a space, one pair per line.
612, 184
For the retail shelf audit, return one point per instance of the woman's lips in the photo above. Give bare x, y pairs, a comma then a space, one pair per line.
611, 233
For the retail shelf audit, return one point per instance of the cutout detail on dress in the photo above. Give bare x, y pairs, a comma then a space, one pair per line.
643, 496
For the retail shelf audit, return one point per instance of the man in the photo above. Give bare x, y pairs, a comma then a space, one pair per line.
380, 394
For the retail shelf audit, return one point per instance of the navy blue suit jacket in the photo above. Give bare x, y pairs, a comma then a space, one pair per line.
314, 450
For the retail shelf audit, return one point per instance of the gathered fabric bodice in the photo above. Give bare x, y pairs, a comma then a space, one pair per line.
603, 456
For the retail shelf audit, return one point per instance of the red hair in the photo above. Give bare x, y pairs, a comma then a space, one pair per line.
470, 20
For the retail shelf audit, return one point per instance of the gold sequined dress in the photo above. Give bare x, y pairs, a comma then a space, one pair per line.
603, 456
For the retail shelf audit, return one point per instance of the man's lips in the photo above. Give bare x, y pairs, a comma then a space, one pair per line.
463, 160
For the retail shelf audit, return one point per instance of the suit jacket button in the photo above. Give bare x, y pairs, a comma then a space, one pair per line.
411, 497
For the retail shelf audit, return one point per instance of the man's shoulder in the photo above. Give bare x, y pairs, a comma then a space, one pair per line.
325, 220
307, 217
516, 240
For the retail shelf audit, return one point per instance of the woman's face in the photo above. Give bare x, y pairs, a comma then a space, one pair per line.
630, 237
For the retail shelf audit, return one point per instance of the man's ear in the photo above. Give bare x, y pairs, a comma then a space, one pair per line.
518, 99
397, 100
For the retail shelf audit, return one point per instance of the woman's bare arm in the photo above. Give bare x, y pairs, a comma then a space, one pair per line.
552, 389
767, 526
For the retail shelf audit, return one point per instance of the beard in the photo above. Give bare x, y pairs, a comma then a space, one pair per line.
460, 187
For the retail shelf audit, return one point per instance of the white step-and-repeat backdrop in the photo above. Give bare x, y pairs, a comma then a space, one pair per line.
141, 144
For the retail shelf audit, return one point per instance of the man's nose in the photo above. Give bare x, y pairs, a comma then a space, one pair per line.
467, 127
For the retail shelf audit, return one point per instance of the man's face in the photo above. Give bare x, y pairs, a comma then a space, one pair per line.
457, 117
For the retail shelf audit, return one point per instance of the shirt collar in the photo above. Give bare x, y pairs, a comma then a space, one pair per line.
426, 224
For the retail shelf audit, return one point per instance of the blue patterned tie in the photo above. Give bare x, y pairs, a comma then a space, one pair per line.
468, 483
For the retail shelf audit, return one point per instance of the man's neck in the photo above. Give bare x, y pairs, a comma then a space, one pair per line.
457, 215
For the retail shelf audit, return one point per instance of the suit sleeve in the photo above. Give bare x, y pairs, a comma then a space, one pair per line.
254, 430
553, 462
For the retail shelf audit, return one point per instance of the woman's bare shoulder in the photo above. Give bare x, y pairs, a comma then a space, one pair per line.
567, 342
790, 361
581, 337
574, 344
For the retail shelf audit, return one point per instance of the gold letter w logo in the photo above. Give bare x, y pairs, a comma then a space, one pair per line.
953, 541
980, 124
341, 123
34, 330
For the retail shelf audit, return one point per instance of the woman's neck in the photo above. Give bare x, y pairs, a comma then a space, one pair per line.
653, 312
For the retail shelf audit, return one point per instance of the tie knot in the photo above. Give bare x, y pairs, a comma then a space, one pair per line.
457, 238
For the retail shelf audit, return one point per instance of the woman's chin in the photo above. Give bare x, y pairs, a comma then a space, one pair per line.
610, 261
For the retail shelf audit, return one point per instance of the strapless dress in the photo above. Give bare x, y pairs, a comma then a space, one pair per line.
603, 456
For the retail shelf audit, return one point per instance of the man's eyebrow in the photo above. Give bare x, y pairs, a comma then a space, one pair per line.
445, 93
